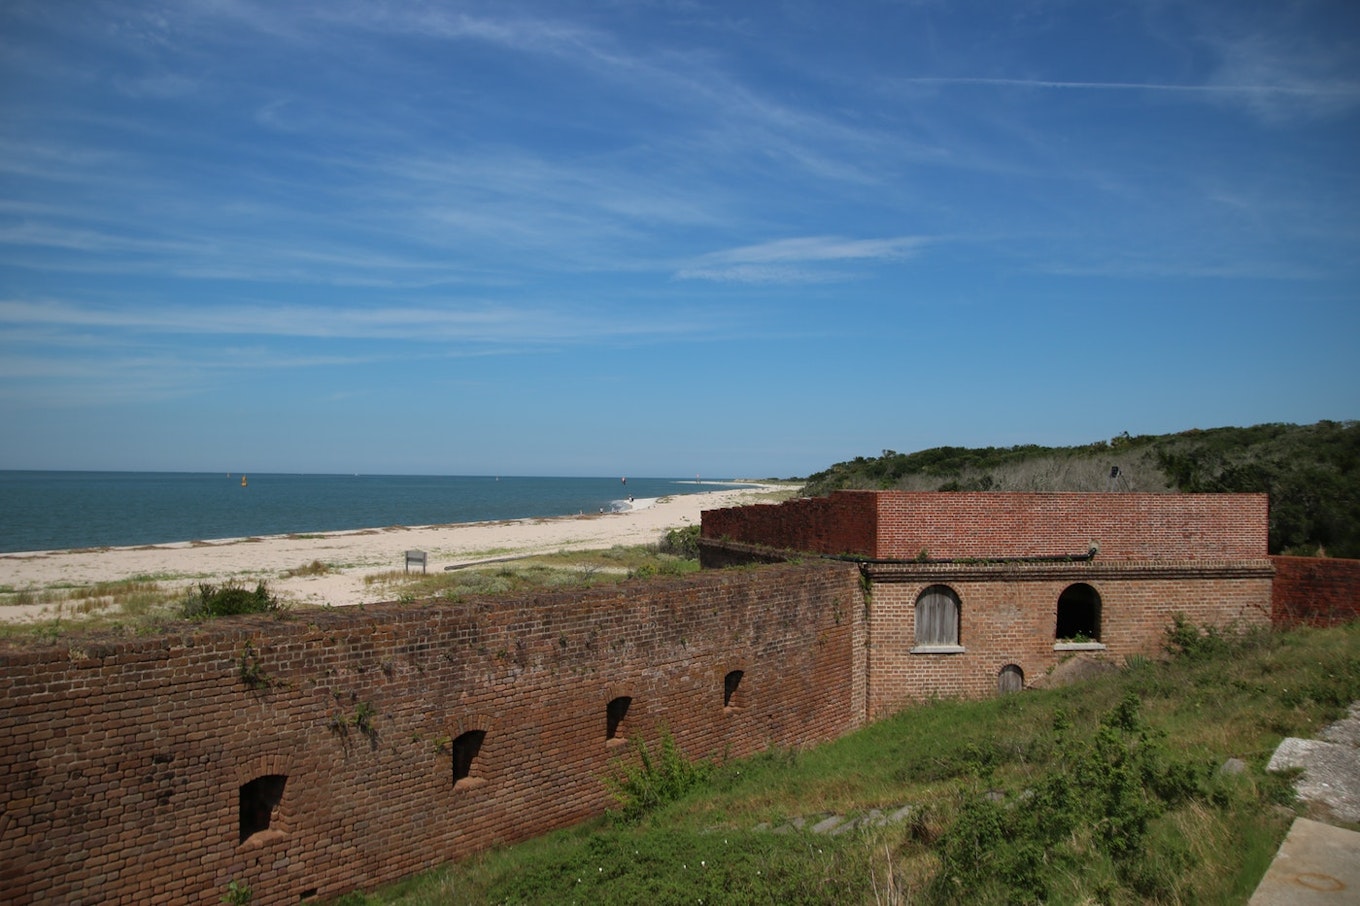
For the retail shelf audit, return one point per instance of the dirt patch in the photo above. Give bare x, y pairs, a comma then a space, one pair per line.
1076, 669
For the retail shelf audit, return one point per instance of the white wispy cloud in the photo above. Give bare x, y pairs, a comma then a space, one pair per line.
30, 233
61, 353
798, 259
1342, 90
1285, 79
454, 322
464, 212
1254, 73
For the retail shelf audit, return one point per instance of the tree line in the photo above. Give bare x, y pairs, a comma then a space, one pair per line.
1311, 472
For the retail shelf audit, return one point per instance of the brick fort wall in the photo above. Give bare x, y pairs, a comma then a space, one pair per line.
337, 750
1315, 591
843, 523
986, 525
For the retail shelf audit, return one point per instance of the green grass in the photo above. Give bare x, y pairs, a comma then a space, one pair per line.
135, 605
315, 568
1105, 792
147, 604
566, 569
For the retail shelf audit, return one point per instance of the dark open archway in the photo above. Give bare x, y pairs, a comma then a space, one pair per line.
1078, 614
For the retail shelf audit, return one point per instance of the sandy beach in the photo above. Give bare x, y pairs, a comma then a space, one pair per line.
351, 555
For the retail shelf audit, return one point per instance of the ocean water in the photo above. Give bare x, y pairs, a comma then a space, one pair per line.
61, 510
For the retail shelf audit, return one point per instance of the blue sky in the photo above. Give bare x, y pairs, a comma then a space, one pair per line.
668, 237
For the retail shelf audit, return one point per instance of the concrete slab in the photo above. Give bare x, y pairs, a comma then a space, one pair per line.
901, 814
1317, 865
1345, 731
1331, 770
851, 825
828, 824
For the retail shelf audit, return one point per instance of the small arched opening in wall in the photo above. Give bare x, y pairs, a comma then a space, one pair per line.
258, 801
1010, 679
734, 696
937, 615
465, 751
616, 714
1078, 616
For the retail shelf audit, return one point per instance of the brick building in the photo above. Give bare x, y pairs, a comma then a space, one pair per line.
970, 593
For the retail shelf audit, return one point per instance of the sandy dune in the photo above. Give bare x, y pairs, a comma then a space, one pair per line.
351, 555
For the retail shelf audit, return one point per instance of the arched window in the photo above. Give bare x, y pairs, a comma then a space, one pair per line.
937, 618
615, 712
258, 800
1010, 679
732, 691
1078, 614
465, 750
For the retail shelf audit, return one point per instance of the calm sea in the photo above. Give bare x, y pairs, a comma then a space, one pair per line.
59, 510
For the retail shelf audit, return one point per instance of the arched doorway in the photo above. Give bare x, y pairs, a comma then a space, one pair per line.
1010, 679
1078, 618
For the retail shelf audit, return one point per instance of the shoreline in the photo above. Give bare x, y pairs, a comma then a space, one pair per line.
350, 554
97, 510
633, 506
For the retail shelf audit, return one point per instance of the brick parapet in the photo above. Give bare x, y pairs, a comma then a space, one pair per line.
844, 523
1085, 571
989, 525
1315, 591
1123, 526
124, 759
719, 553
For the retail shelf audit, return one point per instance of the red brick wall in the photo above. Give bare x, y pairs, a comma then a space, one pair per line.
1315, 591
987, 525
1200, 555
122, 761
1008, 616
844, 523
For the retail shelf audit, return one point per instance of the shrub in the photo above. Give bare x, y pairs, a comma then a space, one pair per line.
238, 894
1105, 790
655, 780
228, 600
1185, 639
315, 568
681, 542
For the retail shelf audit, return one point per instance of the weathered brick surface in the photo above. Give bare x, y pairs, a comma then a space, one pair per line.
123, 761
1008, 615
1315, 591
844, 523
986, 525
1199, 555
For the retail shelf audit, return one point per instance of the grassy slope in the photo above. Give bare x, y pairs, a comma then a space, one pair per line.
1121, 803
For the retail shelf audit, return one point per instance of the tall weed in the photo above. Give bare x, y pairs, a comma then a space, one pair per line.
654, 780
1102, 791
228, 600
